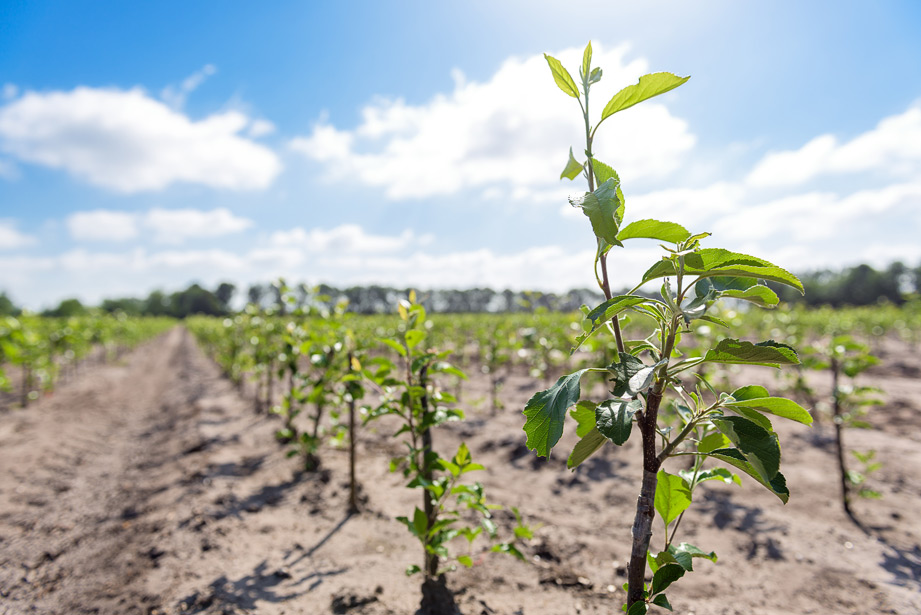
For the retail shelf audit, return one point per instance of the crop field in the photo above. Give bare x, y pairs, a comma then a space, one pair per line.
429, 361
159, 480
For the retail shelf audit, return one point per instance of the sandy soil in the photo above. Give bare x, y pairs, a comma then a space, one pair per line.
150, 486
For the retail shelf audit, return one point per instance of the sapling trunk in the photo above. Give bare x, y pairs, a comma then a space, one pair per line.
292, 410
257, 396
431, 514
353, 487
839, 441
645, 511
26, 384
320, 403
270, 384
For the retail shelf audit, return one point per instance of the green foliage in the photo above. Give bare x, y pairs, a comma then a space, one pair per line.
44, 347
843, 356
646, 380
452, 507
647, 87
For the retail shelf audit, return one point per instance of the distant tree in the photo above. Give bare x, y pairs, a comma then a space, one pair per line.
195, 300
7, 307
859, 285
66, 309
128, 305
224, 294
255, 293
157, 304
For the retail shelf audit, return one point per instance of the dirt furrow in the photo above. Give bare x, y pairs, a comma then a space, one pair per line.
82, 467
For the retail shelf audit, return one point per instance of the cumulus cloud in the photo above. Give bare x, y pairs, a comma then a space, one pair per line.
344, 239
126, 141
892, 149
260, 128
11, 238
504, 133
177, 225
163, 225
102, 225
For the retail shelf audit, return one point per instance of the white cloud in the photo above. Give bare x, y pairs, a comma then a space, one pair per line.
344, 239
166, 225
9, 91
892, 149
260, 128
176, 96
810, 217
688, 206
128, 142
510, 131
11, 238
102, 225
177, 225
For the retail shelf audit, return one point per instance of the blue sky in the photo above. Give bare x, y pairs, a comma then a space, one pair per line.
150, 145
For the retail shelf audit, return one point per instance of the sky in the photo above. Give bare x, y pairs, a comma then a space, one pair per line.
419, 144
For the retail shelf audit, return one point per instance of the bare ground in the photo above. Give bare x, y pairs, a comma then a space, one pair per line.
150, 486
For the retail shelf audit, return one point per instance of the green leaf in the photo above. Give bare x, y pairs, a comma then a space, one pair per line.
585, 447
465, 560
602, 174
654, 229
395, 345
744, 288
413, 337
601, 207
602, 314
673, 496
760, 447
546, 412
754, 416
665, 576
716, 321
510, 549
712, 474
584, 413
711, 262
758, 294
452, 468
631, 375
752, 391
712, 442
594, 76
442, 367
638, 608
642, 380
411, 570
562, 77
614, 418
661, 601
734, 457
647, 87
685, 553
420, 523
587, 58
573, 167
778, 406
769, 353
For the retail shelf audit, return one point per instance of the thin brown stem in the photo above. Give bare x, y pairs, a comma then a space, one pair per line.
431, 512
353, 485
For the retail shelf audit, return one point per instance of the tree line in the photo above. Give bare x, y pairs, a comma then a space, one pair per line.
854, 286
